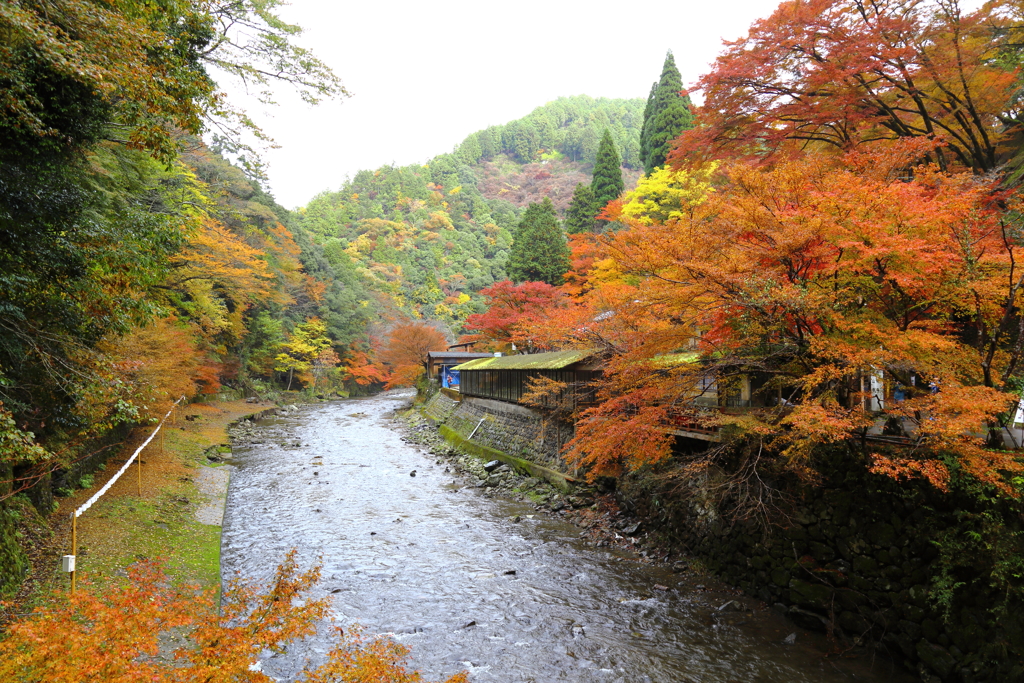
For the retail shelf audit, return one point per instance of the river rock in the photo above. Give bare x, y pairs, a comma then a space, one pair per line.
807, 619
492, 465
937, 658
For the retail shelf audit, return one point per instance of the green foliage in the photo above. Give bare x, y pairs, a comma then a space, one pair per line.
16, 446
13, 562
114, 217
666, 115
607, 184
423, 237
262, 344
82, 241
539, 251
580, 215
422, 241
569, 126
983, 540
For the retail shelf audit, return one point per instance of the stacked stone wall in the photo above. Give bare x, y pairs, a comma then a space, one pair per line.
868, 560
439, 407
512, 429
506, 427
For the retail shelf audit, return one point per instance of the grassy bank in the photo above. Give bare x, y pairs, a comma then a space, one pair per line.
177, 481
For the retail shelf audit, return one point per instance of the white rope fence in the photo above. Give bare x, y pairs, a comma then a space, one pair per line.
69, 560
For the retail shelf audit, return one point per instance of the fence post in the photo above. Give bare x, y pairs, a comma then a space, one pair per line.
85, 506
74, 547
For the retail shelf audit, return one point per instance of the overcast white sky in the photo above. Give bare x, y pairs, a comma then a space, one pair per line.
424, 75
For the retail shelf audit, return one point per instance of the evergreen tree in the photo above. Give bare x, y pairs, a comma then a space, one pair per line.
539, 252
607, 183
666, 116
579, 217
646, 124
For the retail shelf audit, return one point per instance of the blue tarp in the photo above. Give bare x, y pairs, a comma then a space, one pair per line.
449, 377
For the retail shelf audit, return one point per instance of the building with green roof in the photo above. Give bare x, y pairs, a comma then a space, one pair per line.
506, 378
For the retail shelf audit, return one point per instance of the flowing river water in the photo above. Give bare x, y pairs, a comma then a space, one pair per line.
447, 571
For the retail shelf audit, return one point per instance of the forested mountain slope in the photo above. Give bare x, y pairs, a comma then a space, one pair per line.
431, 236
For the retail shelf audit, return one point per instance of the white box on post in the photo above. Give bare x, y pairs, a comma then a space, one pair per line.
68, 563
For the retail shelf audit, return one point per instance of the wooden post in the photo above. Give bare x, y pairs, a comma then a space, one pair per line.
74, 548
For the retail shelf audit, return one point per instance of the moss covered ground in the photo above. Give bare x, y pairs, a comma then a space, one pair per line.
156, 521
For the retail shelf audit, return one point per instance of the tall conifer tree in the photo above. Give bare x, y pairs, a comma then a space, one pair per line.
539, 252
666, 116
579, 217
607, 183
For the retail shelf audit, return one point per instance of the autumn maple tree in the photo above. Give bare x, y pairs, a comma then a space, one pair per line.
509, 306
815, 273
836, 73
405, 351
363, 370
147, 629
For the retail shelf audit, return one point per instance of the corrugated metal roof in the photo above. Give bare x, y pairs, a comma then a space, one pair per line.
554, 360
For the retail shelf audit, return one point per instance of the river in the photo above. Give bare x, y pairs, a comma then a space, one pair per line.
448, 572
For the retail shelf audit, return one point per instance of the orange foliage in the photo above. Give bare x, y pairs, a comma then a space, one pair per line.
281, 246
510, 308
359, 368
405, 351
221, 277
835, 74
160, 362
121, 635
815, 273
314, 289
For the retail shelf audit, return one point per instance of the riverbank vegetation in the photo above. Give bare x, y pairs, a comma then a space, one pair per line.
824, 257
132, 632
828, 264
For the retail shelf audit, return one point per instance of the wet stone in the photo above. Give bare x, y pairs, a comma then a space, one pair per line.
566, 615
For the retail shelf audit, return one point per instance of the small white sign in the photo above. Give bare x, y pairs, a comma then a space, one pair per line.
68, 563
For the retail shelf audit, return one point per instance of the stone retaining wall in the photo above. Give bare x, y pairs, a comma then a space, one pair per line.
512, 429
439, 407
929, 576
868, 560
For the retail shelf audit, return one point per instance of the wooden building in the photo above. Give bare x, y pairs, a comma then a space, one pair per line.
440, 364
506, 378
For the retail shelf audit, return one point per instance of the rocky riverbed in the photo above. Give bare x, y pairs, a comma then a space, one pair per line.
475, 567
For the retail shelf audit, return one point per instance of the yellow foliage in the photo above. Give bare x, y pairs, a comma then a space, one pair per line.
222, 276
668, 195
